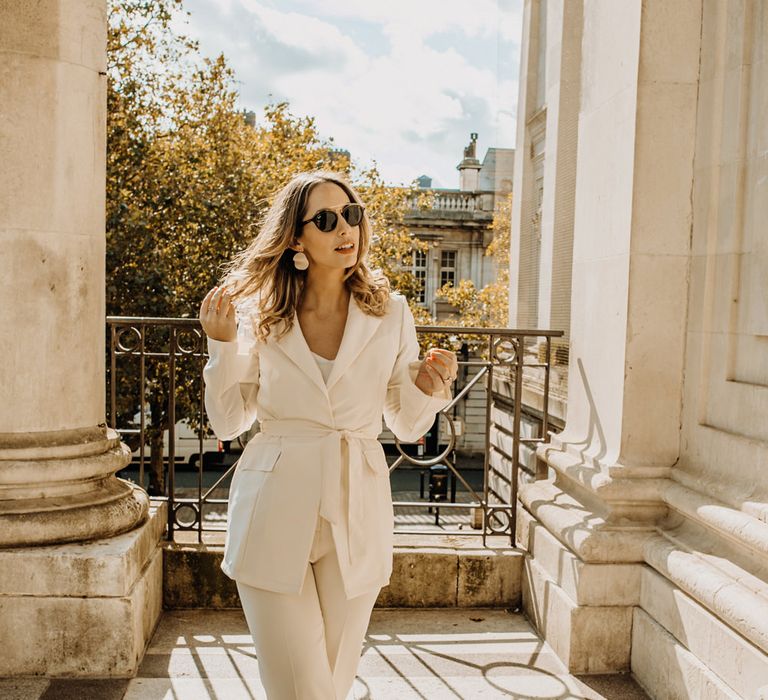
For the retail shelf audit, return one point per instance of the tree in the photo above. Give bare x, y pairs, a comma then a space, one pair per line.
393, 250
187, 182
187, 179
486, 307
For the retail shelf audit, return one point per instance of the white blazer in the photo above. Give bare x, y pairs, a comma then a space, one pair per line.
317, 451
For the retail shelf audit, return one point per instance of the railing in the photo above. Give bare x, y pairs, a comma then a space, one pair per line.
168, 344
451, 201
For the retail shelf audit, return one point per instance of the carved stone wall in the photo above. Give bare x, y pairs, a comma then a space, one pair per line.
648, 546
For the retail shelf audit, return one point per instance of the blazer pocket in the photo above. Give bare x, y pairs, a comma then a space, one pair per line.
377, 461
262, 458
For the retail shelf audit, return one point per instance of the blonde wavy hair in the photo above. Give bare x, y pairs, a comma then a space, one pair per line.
263, 280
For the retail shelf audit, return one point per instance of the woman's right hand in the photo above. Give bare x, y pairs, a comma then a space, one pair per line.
217, 315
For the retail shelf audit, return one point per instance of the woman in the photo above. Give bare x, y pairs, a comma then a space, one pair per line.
302, 336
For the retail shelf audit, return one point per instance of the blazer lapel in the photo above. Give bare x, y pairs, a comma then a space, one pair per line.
294, 345
358, 331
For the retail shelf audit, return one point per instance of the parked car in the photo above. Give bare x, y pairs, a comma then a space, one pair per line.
237, 445
187, 447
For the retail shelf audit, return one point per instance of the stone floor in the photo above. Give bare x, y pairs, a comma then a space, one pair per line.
447, 654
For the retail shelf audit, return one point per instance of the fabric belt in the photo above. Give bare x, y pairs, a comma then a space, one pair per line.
330, 461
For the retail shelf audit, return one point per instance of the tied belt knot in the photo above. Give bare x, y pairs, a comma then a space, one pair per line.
330, 454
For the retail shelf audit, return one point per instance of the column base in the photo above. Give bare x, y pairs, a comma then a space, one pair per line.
582, 609
82, 610
680, 603
681, 649
61, 487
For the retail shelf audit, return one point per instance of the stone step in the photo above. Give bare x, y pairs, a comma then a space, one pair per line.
731, 598
595, 584
408, 655
722, 656
668, 670
589, 639
427, 571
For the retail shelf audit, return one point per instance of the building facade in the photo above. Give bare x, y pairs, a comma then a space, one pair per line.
640, 183
457, 228
457, 225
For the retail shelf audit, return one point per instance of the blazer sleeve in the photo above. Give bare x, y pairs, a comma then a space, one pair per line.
231, 378
408, 411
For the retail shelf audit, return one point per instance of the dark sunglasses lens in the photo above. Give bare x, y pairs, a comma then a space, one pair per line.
326, 220
353, 214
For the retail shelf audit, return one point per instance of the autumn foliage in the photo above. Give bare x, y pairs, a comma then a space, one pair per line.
188, 179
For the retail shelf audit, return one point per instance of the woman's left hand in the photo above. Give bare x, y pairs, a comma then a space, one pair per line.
438, 369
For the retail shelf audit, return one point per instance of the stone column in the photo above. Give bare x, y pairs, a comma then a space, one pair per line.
523, 205
586, 528
564, 24
58, 458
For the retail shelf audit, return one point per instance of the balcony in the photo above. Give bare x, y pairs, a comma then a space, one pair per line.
454, 602
452, 205
459, 481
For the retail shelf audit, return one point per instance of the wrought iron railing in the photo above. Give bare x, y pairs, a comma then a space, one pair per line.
149, 357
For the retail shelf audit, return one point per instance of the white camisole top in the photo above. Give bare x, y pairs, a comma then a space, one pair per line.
324, 364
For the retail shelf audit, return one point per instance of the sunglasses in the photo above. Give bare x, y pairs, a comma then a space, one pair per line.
326, 219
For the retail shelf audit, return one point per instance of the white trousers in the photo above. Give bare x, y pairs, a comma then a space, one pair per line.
308, 644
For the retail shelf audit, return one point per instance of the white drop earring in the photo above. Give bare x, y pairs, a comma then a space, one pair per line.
300, 260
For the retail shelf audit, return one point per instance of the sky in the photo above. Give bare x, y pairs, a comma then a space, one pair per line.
399, 82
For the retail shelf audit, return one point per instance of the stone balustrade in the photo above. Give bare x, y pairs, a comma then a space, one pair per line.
453, 201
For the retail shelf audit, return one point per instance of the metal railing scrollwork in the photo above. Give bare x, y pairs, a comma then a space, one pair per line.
155, 384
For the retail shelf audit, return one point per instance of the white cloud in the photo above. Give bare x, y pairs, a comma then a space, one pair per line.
425, 17
408, 105
304, 32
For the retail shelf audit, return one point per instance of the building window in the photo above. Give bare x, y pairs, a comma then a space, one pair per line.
420, 272
448, 267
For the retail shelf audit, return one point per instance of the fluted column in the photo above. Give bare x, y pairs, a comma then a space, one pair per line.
586, 528
631, 254
57, 456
